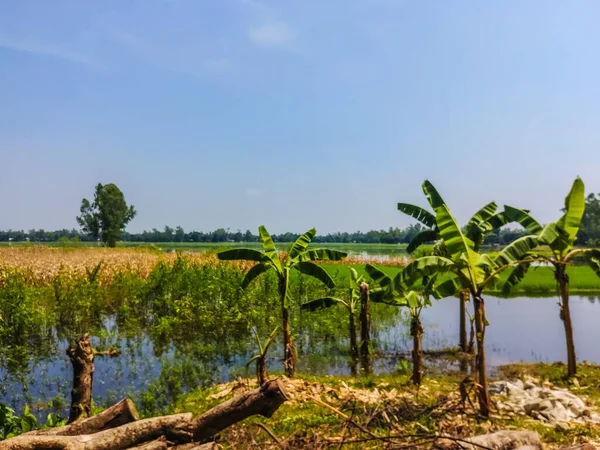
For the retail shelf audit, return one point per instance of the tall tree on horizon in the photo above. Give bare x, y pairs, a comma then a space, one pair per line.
106, 217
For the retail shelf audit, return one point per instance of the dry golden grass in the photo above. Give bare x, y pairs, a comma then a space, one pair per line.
40, 265
377, 261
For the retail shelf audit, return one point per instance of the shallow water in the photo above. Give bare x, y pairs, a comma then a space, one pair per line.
521, 329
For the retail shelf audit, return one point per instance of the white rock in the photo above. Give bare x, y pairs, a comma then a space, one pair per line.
558, 413
545, 403
519, 384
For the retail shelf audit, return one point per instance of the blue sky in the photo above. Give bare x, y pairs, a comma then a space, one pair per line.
235, 113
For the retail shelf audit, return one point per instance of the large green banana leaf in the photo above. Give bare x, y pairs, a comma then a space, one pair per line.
515, 277
243, 254
413, 299
421, 238
433, 196
426, 266
269, 340
354, 282
321, 303
316, 271
478, 226
254, 272
422, 215
498, 220
447, 288
268, 245
516, 251
456, 242
594, 262
591, 254
574, 209
379, 276
483, 215
439, 249
555, 237
321, 254
523, 218
378, 294
301, 244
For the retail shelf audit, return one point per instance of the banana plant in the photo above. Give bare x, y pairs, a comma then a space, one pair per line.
351, 302
261, 356
466, 269
394, 293
298, 258
560, 238
483, 222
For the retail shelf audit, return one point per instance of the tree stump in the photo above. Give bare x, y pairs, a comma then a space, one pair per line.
82, 358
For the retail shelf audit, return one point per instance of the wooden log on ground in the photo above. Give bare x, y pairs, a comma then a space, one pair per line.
158, 444
263, 401
179, 428
586, 446
501, 440
196, 446
82, 358
115, 416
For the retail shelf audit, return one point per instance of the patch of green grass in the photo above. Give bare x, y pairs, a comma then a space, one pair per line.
302, 422
540, 281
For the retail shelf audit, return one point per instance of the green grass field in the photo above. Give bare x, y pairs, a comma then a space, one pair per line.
538, 281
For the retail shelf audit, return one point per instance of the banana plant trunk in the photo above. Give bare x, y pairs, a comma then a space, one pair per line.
471, 346
565, 315
482, 392
416, 331
462, 300
353, 345
261, 370
289, 351
365, 329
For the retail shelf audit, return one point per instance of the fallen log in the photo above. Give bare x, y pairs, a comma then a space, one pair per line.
263, 401
115, 416
178, 428
501, 440
585, 446
194, 446
158, 444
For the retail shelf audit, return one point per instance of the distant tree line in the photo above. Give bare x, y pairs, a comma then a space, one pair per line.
589, 233
177, 234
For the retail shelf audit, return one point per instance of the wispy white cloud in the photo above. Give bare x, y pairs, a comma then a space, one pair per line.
271, 35
176, 58
253, 192
50, 50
